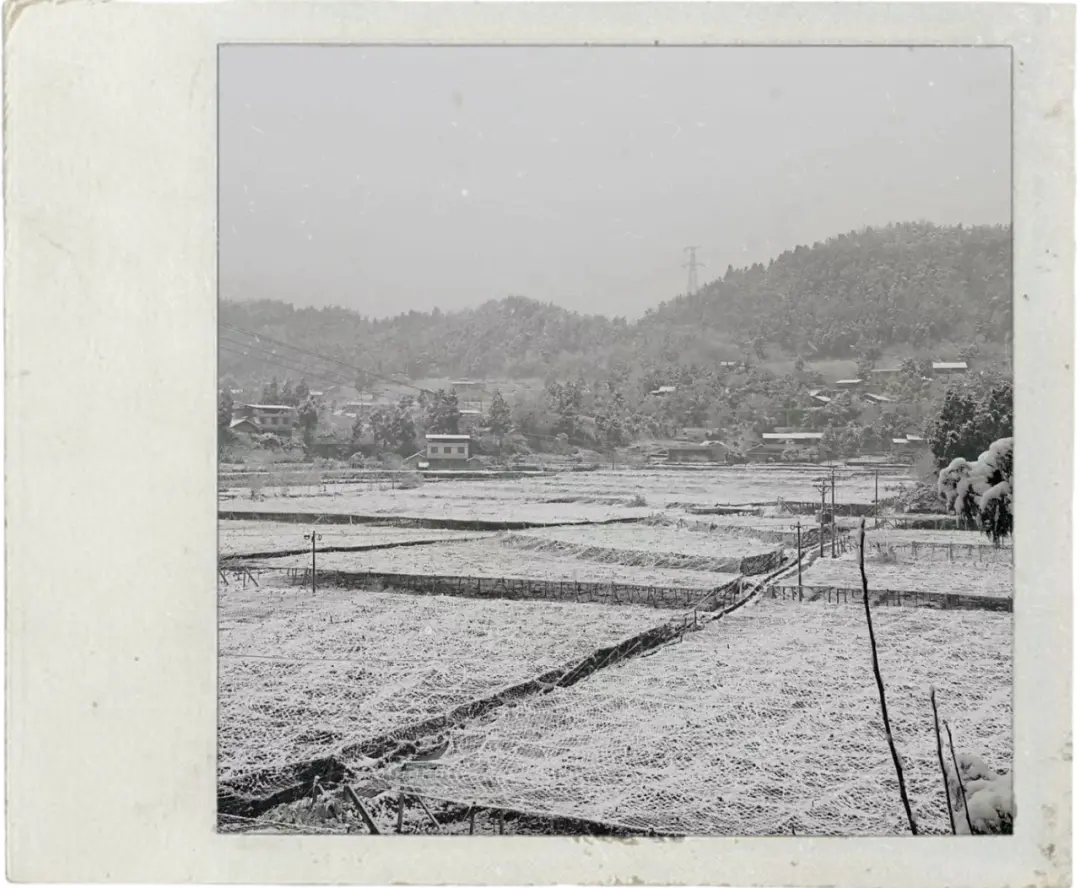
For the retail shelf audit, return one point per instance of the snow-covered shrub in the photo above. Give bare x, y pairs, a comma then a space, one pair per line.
979, 493
989, 795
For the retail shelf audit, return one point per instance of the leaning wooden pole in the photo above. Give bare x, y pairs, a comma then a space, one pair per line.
941, 761
959, 780
880, 684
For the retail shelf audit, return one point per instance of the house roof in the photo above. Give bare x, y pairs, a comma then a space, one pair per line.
270, 406
791, 436
848, 381
448, 437
885, 370
900, 441
471, 412
873, 397
949, 365
663, 390
914, 438
241, 421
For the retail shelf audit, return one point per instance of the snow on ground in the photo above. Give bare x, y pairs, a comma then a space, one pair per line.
966, 577
903, 536
656, 538
564, 496
302, 676
240, 537
765, 722
492, 558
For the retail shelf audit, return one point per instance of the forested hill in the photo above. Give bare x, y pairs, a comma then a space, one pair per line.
910, 284
913, 284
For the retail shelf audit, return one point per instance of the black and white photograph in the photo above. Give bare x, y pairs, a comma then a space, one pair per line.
615, 441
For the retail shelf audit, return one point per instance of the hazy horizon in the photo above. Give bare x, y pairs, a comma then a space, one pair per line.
384, 179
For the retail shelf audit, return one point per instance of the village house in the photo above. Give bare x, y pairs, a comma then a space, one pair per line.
775, 444
705, 452
848, 383
949, 368
243, 425
447, 450
278, 419
663, 390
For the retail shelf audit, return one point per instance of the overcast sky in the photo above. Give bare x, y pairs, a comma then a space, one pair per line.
392, 178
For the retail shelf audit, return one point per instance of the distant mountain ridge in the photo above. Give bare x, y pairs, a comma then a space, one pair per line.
914, 283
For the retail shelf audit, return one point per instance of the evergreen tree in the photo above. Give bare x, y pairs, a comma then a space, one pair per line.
271, 394
224, 413
499, 420
309, 418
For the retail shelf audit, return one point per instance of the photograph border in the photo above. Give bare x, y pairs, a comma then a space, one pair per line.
111, 219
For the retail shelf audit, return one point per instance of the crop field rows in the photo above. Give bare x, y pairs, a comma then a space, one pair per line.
303, 676
691, 738
238, 538
763, 723
969, 577
493, 558
586, 496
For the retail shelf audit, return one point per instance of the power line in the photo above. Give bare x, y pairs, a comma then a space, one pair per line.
271, 356
353, 367
692, 266
304, 374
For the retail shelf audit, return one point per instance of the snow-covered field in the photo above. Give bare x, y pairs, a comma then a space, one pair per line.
965, 577
565, 496
240, 537
494, 558
302, 676
903, 536
650, 538
763, 723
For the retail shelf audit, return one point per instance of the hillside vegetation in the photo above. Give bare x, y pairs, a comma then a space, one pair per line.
857, 295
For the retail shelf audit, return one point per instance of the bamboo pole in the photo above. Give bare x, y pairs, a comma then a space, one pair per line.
959, 780
880, 684
364, 815
941, 761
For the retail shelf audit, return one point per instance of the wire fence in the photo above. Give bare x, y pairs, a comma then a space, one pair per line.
889, 597
514, 588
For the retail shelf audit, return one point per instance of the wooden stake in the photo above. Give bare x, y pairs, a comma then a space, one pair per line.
427, 811
960, 780
472, 819
351, 796
880, 684
798, 555
400, 810
941, 761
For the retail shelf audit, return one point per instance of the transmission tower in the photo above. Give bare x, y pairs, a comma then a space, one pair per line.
691, 265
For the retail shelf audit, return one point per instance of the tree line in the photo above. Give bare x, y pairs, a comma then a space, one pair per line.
849, 297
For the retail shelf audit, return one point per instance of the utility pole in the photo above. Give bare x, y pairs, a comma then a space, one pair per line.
691, 275
313, 537
798, 545
820, 485
833, 523
875, 498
